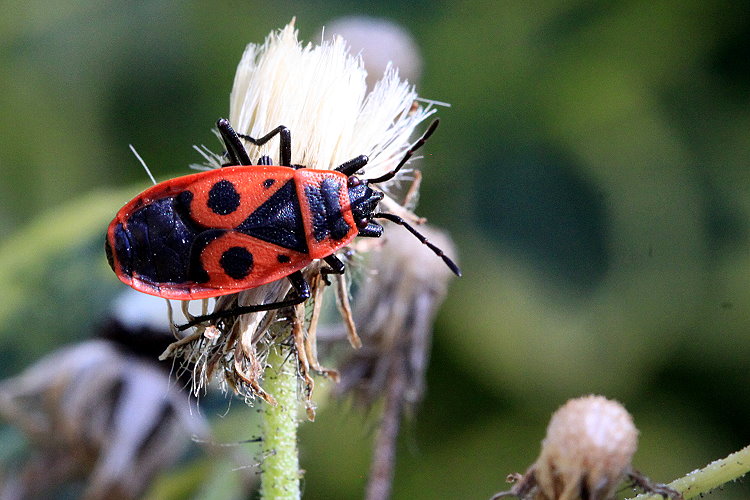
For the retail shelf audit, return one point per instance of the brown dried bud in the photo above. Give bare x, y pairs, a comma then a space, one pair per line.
586, 454
589, 445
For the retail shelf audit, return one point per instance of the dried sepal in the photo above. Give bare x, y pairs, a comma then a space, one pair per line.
586, 455
345, 309
318, 286
303, 362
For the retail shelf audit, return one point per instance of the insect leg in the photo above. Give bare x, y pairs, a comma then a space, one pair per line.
301, 293
285, 143
235, 149
371, 230
420, 142
401, 222
350, 167
335, 265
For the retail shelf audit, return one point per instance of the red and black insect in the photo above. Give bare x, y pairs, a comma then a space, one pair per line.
231, 229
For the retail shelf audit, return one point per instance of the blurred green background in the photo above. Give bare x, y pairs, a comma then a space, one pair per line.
596, 158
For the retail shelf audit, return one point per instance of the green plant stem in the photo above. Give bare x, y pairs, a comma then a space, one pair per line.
711, 476
280, 464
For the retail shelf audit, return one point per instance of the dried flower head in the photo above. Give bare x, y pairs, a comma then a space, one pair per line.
98, 412
320, 93
586, 455
395, 309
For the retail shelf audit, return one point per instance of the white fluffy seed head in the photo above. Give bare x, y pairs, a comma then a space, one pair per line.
589, 446
320, 93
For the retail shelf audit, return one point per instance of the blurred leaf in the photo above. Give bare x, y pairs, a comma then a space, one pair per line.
55, 284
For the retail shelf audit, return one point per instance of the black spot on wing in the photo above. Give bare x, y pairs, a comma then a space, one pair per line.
326, 210
278, 220
237, 262
223, 198
283, 259
268, 183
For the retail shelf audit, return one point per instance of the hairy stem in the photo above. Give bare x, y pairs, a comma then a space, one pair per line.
701, 481
280, 465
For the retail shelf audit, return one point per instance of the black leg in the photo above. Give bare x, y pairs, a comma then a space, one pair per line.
401, 222
335, 265
420, 142
235, 149
350, 167
301, 294
285, 143
265, 160
371, 230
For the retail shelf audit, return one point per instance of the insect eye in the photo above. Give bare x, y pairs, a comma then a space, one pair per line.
353, 181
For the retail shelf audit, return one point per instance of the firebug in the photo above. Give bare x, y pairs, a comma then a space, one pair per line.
241, 226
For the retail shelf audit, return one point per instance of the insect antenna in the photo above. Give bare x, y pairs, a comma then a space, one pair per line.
414, 147
401, 222
145, 167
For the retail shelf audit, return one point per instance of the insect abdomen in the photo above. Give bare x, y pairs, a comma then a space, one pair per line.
154, 243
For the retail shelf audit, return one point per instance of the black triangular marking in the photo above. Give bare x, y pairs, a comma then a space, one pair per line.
327, 219
278, 220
